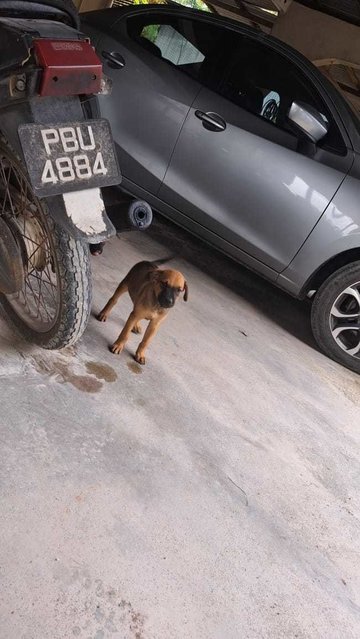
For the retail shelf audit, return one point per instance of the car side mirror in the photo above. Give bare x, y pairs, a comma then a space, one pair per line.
310, 121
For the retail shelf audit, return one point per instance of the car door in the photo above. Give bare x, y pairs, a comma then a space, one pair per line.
148, 105
239, 170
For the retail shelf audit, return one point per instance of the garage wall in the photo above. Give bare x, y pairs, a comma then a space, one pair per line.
318, 35
92, 5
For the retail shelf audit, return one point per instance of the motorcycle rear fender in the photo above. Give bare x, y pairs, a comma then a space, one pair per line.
82, 214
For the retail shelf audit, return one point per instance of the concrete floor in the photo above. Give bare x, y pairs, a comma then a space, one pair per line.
212, 494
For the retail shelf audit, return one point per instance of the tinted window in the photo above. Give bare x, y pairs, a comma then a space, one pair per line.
189, 44
265, 83
250, 74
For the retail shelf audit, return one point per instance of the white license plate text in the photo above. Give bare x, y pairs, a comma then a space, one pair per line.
68, 168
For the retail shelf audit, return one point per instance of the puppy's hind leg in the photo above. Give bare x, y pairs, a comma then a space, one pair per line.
121, 289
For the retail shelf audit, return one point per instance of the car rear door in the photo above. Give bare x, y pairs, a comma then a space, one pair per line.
243, 174
148, 104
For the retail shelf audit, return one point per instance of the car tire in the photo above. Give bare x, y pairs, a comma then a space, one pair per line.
67, 7
335, 316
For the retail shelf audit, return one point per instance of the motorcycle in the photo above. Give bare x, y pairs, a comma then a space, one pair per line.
54, 157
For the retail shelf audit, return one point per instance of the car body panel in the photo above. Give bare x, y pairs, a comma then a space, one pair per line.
211, 238
259, 195
147, 109
337, 231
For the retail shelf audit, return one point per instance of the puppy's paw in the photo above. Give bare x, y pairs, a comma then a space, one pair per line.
102, 317
116, 348
140, 359
137, 329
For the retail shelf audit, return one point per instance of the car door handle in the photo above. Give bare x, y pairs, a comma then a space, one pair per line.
211, 121
114, 59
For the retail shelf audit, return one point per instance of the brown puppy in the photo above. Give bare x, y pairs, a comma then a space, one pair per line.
153, 291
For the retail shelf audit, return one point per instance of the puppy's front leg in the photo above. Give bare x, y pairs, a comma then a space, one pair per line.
151, 330
118, 346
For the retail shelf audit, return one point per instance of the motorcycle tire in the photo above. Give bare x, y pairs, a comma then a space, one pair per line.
53, 306
33, 9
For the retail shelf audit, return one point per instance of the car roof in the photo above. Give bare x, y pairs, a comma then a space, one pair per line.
105, 19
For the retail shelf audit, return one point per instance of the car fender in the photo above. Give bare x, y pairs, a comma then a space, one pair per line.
337, 231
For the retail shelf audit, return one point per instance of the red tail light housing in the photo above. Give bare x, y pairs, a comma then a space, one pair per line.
70, 67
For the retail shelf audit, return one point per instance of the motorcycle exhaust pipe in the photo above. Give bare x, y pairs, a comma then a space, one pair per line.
138, 217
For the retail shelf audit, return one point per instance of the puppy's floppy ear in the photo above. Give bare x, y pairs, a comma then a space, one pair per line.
186, 292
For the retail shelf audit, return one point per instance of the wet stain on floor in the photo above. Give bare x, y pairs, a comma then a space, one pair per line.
62, 372
134, 368
84, 383
101, 371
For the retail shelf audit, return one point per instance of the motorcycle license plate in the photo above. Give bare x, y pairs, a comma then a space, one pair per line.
69, 157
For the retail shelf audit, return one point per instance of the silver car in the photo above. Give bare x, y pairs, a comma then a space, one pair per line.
238, 138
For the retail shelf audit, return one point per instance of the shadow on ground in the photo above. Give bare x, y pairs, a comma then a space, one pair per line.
289, 313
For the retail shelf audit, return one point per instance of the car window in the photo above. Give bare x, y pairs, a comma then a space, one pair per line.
250, 74
262, 81
187, 44
172, 44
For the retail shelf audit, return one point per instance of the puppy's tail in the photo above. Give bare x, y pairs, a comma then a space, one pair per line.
156, 263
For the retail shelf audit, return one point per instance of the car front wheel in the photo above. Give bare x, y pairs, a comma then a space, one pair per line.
335, 316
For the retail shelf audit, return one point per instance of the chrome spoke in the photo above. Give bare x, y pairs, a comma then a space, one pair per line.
345, 320
337, 313
5, 180
349, 327
38, 302
354, 351
352, 293
351, 290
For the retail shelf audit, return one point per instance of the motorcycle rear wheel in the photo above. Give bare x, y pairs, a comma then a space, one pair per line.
53, 306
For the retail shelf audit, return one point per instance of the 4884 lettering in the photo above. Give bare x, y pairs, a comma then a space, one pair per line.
67, 168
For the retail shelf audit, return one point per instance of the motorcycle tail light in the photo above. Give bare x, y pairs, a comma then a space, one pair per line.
70, 67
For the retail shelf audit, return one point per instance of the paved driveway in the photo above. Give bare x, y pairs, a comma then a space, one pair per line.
212, 494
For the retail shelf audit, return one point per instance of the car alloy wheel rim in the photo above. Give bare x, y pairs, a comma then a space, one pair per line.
345, 320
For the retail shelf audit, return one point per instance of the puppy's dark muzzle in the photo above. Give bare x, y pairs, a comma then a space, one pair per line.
166, 299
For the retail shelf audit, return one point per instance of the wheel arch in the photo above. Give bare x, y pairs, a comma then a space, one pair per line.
328, 268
